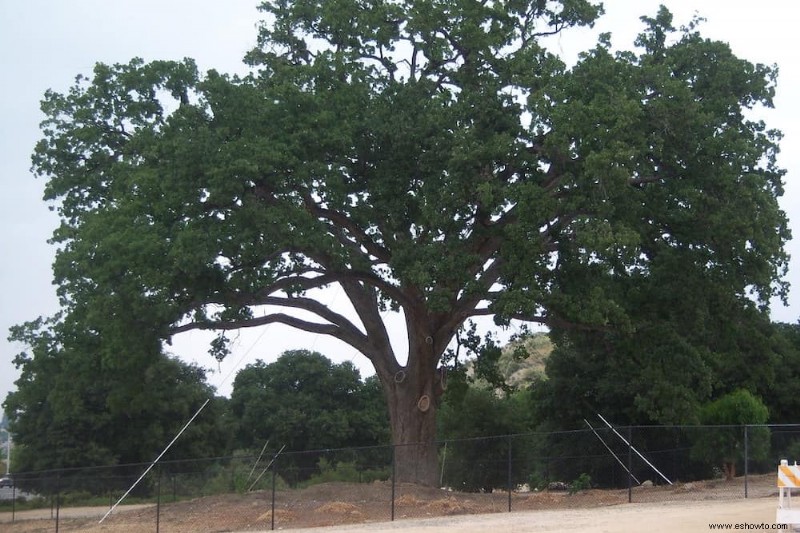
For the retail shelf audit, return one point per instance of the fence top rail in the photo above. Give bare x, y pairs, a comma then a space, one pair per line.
68, 469
55, 472
707, 426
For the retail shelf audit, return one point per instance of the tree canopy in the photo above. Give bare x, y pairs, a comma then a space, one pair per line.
727, 445
306, 402
430, 157
73, 407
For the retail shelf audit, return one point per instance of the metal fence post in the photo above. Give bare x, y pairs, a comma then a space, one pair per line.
58, 500
274, 477
394, 475
509, 473
630, 464
158, 499
746, 459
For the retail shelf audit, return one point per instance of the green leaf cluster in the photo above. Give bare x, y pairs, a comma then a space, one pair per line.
75, 408
726, 445
306, 402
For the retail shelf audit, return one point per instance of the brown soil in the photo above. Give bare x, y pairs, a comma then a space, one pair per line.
339, 504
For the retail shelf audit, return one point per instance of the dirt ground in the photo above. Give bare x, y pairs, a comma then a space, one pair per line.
669, 517
338, 507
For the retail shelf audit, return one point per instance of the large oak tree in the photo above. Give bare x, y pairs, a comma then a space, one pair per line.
430, 157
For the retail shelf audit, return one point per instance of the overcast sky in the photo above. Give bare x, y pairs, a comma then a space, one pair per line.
45, 44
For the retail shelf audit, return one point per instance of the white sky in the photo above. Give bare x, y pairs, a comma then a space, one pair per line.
45, 44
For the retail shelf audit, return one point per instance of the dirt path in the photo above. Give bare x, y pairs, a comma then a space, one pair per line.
669, 517
69, 512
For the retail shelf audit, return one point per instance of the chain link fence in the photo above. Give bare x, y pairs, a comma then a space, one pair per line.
287, 489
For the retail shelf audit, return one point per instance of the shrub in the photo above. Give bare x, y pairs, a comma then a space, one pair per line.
584, 482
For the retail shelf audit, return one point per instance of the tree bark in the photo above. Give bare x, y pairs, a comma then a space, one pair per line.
414, 438
412, 395
730, 470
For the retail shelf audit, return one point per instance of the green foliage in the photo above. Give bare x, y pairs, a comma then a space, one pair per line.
23, 504
583, 482
73, 407
344, 472
474, 465
778, 386
537, 480
518, 364
738, 407
484, 368
226, 478
482, 412
670, 367
306, 402
792, 450
74, 498
726, 445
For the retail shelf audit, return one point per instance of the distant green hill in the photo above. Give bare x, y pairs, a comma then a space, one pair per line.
519, 371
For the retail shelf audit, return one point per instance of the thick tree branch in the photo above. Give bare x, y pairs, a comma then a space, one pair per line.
481, 311
340, 220
357, 342
466, 305
338, 325
336, 273
297, 282
315, 307
365, 301
554, 227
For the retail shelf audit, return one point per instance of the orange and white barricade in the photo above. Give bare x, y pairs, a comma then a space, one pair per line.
788, 479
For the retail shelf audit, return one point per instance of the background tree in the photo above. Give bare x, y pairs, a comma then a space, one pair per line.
75, 408
725, 348
429, 157
4, 436
679, 357
306, 402
781, 394
661, 373
725, 446
468, 420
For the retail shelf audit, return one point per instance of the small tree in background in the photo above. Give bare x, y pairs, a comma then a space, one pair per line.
726, 444
305, 401
76, 407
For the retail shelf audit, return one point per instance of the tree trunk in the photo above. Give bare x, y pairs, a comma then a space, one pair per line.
729, 469
414, 438
412, 394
